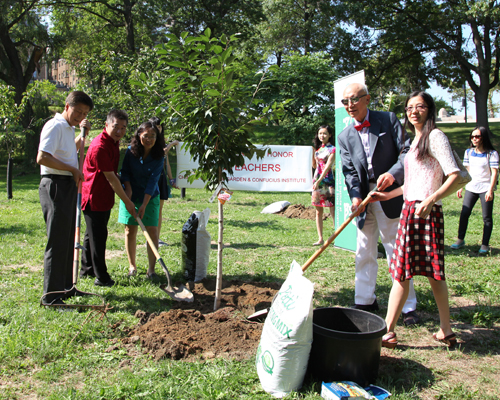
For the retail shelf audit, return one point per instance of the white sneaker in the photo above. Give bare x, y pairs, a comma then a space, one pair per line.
161, 243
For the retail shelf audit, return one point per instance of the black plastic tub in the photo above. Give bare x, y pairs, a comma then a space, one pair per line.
346, 345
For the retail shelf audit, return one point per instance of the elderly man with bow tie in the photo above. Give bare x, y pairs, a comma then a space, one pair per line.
372, 150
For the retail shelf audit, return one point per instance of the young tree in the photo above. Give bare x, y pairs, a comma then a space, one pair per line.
196, 91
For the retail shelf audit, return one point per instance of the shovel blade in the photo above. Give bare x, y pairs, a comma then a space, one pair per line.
259, 316
180, 293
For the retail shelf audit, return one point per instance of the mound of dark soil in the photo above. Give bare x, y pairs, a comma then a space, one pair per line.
194, 330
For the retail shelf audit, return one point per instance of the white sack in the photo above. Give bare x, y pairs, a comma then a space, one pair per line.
275, 207
285, 344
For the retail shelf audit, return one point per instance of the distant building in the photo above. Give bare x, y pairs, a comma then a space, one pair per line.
63, 74
60, 73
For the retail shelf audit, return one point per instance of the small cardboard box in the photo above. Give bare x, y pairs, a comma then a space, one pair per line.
344, 390
347, 390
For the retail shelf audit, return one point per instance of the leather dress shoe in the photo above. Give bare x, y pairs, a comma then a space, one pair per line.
109, 283
411, 318
367, 307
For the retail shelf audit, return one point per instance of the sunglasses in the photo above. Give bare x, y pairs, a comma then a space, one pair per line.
352, 100
475, 137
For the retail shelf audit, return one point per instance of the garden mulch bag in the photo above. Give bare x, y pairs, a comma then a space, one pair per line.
285, 344
196, 246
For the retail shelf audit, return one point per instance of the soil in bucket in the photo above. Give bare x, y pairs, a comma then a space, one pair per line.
346, 345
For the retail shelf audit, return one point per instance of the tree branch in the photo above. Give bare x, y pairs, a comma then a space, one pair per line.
22, 15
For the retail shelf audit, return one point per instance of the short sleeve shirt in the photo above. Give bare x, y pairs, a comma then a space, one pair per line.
424, 177
480, 165
102, 156
58, 139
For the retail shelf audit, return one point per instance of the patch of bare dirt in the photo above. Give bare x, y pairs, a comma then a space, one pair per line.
194, 330
302, 212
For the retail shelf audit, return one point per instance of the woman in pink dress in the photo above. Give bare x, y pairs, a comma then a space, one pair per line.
323, 190
419, 248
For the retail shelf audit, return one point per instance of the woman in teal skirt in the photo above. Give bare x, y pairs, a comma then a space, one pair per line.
140, 172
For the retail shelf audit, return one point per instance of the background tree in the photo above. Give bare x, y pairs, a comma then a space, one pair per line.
300, 26
126, 19
305, 83
460, 38
11, 116
221, 17
23, 39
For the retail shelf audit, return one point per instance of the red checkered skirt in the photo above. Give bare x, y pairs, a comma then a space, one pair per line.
419, 248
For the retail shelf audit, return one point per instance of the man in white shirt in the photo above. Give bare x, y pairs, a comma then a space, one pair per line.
60, 176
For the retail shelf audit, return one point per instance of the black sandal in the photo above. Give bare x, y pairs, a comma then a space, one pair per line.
450, 340
411, 318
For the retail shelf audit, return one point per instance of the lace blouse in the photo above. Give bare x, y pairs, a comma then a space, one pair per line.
423, 178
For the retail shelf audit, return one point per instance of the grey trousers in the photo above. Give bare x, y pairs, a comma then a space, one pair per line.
58, 200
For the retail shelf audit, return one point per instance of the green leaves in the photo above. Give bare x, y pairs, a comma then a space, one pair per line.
207, 106
213, 92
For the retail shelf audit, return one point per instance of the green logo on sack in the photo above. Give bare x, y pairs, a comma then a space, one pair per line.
288, 298
268, 362
259, 351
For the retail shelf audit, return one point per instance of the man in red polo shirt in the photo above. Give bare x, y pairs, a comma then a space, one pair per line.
98, 195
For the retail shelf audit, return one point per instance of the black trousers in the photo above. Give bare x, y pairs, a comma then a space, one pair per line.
58, 200
94, 241
470, 200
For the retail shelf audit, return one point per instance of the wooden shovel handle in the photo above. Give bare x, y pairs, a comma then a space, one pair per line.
339, 230
148, 238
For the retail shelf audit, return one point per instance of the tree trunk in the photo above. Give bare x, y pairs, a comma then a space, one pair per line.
220, 246
129, 25
9, 177
31, 137
279, 57
481, 97
307, 29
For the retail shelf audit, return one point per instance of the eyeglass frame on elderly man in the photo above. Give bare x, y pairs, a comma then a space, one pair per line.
353, 100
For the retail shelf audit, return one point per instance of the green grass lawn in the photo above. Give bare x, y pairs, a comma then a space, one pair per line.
45, 354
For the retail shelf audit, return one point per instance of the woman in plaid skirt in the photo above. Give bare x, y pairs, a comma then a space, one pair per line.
419, 248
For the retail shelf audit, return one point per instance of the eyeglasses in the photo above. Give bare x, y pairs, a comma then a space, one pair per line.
418, 107
148, 137
353, 100
475, 137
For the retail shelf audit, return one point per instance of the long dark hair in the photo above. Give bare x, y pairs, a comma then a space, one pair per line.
485, 138
138, 149
429, 125
317, 143
157, 122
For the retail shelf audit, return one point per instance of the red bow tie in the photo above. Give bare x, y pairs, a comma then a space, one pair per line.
361, 126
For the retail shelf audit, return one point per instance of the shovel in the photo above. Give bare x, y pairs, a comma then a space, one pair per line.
262, 313
179, 294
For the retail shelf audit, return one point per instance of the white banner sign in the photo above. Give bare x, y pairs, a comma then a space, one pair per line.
283, 169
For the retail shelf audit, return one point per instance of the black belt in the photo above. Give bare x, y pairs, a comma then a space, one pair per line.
56, 176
